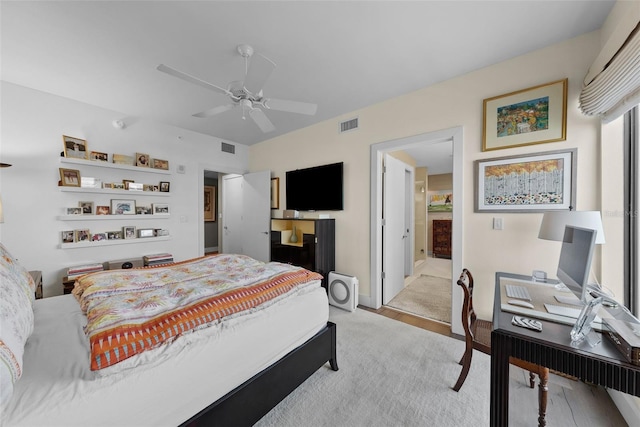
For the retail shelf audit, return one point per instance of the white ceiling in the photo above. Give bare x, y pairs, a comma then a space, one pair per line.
343, 56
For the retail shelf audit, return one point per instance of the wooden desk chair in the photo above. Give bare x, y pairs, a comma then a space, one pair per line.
478, 336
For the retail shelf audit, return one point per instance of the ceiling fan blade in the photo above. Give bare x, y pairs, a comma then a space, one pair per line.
260, 69
262, 120
291, 106
191, 79
215, 110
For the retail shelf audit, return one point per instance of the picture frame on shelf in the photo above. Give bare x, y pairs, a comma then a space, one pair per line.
160, 208
103, 210
145, 232
98, 237
535, 115
165, 186
135, 186
275, 193
90, 182
126, 183
142, 160
114, 235
98, 156
509, 184
209, 203
129, 232
160, 164
75, 148
144, 210
74, 211
123, 159
117, 186
87, 208
123, 207
68, 236
82, 235
70, 177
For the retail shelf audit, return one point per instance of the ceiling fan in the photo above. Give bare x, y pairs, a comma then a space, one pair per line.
248, 92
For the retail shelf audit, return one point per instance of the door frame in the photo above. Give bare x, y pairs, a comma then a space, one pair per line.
454, 134
221, 169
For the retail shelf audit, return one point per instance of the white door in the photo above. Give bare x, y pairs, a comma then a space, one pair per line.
393, 229
256, 197
232, 214
246, 213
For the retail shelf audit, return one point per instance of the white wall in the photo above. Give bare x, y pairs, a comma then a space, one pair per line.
446, 105
33, 123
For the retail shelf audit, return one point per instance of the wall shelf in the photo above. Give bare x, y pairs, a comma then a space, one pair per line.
109, 217
100, 164
101, 243
112, 191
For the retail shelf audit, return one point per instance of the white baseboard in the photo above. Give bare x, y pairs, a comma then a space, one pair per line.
629, 406
365, 300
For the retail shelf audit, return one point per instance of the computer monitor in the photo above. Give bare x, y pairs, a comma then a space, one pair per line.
575, 259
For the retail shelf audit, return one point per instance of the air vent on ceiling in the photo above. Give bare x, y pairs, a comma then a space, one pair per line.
228, 148
348, 125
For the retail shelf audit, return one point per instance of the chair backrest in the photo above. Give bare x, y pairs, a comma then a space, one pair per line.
465, 281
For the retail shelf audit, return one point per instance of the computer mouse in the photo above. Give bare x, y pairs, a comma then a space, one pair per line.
520, 303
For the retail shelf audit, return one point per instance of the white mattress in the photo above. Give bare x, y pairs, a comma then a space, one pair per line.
58, 389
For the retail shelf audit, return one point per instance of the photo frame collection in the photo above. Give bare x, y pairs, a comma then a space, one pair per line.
119, 207
72, 178
76, 148
127, 232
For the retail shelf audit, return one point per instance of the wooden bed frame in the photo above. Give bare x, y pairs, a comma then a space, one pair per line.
250, 401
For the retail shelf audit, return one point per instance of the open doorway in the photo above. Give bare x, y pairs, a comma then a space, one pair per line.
427, 292
212, 243
454, 136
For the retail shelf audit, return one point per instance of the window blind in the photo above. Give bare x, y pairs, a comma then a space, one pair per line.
616, 89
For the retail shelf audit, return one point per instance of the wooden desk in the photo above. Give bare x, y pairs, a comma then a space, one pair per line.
601, 365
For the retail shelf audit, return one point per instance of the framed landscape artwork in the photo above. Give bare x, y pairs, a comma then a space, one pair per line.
534, 182
440, 201
530, 116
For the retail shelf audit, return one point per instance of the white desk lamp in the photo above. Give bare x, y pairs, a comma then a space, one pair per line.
554, 222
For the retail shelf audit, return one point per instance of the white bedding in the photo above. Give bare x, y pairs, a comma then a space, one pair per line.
58, 388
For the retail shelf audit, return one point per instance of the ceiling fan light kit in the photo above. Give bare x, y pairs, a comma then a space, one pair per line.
247, 92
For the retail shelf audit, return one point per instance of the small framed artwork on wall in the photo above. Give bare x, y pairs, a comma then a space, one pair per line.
209, 203
529, 116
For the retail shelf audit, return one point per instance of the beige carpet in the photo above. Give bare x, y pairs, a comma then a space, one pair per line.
426, 296
393, 374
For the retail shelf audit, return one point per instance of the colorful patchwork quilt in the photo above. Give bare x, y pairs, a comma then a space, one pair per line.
131, 311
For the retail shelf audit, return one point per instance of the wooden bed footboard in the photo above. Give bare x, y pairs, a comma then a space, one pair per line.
250, 401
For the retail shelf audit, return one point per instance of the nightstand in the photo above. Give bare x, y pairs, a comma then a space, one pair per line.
36, 275
67, 285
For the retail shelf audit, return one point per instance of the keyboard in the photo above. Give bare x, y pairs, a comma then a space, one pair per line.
518, 292
563, 311
573, 313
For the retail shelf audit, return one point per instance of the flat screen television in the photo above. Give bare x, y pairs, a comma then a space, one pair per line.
575, 259
319, 188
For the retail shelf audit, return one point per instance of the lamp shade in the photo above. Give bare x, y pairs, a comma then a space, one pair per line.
554, 222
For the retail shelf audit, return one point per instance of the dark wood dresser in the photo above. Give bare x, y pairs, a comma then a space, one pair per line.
441, 238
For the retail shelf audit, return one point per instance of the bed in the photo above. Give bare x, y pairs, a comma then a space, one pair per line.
229, 370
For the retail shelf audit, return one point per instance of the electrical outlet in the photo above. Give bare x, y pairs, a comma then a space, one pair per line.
497, 224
